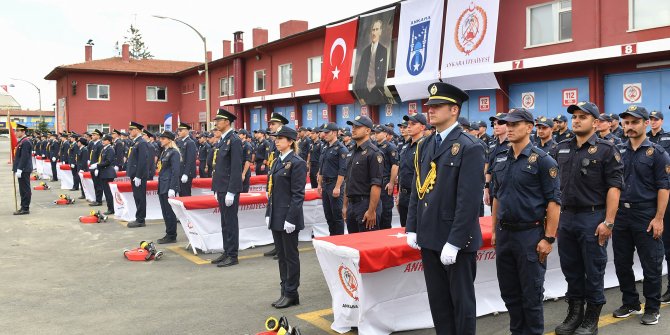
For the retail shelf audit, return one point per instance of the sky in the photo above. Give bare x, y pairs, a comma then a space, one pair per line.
39, 35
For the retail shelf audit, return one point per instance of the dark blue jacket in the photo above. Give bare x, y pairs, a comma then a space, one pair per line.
188, 151
168, 176
120, 151
227, 169
82, 159
288, 192
106, 165
53, 149
95, 151
138, 159
23, 156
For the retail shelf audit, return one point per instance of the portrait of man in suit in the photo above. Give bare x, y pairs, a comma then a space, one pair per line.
372, 65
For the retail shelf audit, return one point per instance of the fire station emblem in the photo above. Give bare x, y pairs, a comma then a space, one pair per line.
349, 281
470, 29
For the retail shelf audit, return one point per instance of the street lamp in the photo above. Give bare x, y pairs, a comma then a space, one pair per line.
204, 42
39, 95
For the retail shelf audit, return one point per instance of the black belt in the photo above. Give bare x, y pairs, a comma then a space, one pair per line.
405, 190
582, 209
356, 199
520, 226
328, 180
639, 205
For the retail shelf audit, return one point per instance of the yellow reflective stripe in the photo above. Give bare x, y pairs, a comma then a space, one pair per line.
439, 97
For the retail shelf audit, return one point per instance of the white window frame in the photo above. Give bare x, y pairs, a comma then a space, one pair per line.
556, 12
279, 77
310, 69
631, 21
109, 92
202, 94
231, 85
224, 87
103, 127
256, 81
157, 88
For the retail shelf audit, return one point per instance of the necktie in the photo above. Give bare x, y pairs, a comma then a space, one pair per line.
371, 80
438, 141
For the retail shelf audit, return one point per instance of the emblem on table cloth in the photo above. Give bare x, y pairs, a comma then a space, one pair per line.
650, 152
593, 149
118, 199
349, 281
455, 148
189, 224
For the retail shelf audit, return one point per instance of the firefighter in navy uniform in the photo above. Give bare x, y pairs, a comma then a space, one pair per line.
525, 213
314, 157
639, 221
499, 143
81, 163
188, 152
261, 153
227, 185
247, 159
545, 140
604, 129
119, 150
304, 143
362, 208
389, 174
284, 215
443, 218
333, 168
563, 133
22, 166
591, 175
203, 153
94, 154
137, 169
72, 154
168, 184
105, 172
616, 128
414, 128
656, 130
54, 151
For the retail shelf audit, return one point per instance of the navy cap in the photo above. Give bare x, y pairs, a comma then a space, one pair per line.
418, 117
561, 118
482, 124
656, 115
83, 141
223, 114
544, 121
463, 121
390, 125
302, 129
116, 131
636, 111
518, 114
443, 93
361, 120
585, 106
498, 116
288, 132
95, 132
614, 116
21, 127
148, 133
108, 138
135, 125
605, 117
331, 126
403, 124
276, 117
183, 125
378, 128
347, 133
243, 132
474, 125
168, 134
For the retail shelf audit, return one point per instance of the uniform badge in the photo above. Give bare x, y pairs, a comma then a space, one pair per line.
228, 142
617, 156
357, 118
650, 152
612, 139
567, 135
509, 144
593, 149
392, 153
553, 172
632, 108
380, 159
364, 152
532, 158
667, 169
287, 165
344, 155
433, 89
455, 149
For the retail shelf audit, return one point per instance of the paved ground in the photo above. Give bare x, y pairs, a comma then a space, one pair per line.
61, 277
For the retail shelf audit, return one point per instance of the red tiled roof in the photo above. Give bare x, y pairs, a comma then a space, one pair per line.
18, 112
116, 64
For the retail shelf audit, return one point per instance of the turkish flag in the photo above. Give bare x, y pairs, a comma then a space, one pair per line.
338, 51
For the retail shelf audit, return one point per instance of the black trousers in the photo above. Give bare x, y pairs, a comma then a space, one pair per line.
246, 182
24, 190
387, 208
289, 262
97, 187
260, 171
332, 208
451, 292
201, 170
168, 215
356, 211
75, 178
403, 205
108, 193
54, 172
230, 229
185, 188
313, 171
140, 197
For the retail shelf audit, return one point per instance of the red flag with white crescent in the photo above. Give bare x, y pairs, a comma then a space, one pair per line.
338, 51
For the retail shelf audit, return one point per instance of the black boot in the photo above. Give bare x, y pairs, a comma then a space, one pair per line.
574, 318
589, 325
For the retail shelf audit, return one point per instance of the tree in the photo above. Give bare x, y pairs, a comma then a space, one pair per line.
43, 127
138, 50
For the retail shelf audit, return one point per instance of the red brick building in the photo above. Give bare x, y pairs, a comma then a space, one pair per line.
547, 52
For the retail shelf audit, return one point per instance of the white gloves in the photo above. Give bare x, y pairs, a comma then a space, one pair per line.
43, 156
411, 241
87, 162
448, 255
116, 168
53, 159
171, 193
137, 181
184, 178
267, 221
93, 166
230, 197
288, 227
72, 166
215, 196
18, 173
96, 172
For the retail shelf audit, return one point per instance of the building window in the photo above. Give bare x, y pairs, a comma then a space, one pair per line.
259, 80
156, 93
103, 127
314, 69
549, 23
227, 86
231, 85
203, 92
285, 75
97, 92
155, 128
645, 14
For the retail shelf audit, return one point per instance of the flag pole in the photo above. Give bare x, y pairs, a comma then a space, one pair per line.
11, 159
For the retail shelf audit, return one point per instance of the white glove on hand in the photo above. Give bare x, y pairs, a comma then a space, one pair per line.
43, 156
116, 168
87, 162
171, 193
93, 166
411, 241
137, 181
53, 159
184, 178
230, 197
18, 173
448, 255
96, 172
267, 221
72, 166
288, 227
215, 196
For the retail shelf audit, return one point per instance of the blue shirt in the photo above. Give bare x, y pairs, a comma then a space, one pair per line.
645, 171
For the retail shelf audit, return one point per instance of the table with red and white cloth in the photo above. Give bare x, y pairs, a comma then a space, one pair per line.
87, 183
376, 281
65, 176
44, 169
201, 220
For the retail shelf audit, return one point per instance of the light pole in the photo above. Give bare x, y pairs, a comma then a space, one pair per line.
204, 42
39, 95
